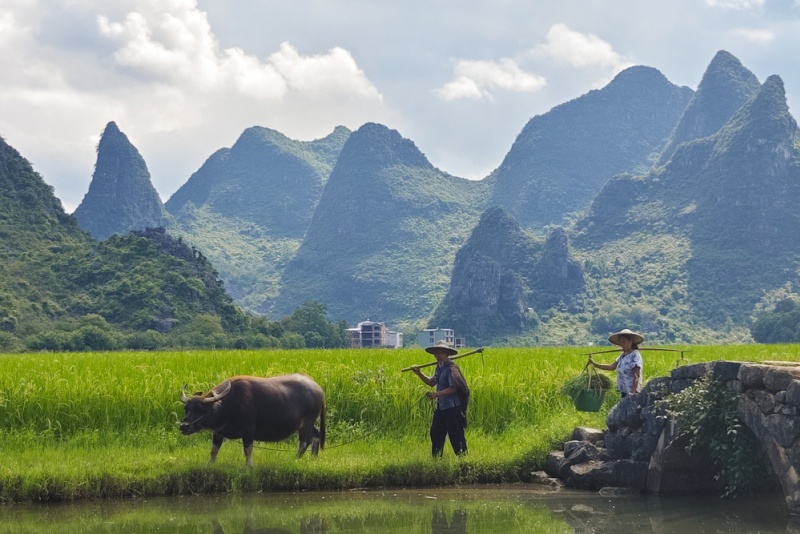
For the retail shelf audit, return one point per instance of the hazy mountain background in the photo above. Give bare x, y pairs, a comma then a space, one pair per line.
248, 207
381, 243
561, 159
642, 205
61, 289
121, 197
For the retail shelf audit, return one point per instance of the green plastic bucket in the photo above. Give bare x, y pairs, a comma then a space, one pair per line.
589, 400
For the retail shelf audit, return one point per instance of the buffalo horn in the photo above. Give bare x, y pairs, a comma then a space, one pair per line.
224, 389
184, 398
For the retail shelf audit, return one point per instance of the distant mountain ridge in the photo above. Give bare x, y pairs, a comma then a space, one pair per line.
121, 196
725, 87
282, 180
381, 241
668, 200
63, 290
561, 159
248, 207
729, 201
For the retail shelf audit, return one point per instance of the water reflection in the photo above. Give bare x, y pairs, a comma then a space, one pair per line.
507, 510
314, 525
456, 525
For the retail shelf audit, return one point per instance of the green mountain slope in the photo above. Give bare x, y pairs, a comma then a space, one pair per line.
248, 207
725, 87
503, 276
382, 240
562, 159
265, 178
58, 284
121, 196
33, 227
685, 206
725, 205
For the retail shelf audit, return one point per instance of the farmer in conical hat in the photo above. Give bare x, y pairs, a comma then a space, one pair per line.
628, 365
452, 398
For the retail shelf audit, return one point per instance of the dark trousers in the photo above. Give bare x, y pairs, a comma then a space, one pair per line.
448, 423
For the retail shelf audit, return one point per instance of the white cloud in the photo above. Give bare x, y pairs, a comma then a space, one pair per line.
474, 79
735, 4
755, 35
183, 78
174, 44
8, 27
578, 49
462, 87
333, 75
158, 70
248, 76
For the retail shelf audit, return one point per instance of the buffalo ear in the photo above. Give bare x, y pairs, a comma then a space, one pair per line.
198, 393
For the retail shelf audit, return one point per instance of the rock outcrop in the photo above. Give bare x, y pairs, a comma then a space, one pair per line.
502, 273
641, 448
726, 86
121, 196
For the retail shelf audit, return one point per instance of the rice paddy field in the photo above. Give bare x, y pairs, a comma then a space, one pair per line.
96, 425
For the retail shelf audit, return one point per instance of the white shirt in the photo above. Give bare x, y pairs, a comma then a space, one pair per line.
625, 365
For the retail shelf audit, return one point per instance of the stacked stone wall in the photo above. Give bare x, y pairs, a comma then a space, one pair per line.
640, 449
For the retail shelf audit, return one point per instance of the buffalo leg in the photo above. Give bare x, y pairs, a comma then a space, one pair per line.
247, 445
304, 435
315, 442
304, 443
216, 443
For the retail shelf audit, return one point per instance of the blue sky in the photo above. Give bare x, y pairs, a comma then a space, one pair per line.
460, 78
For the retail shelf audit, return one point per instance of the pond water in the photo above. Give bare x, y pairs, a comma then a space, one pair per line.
475, 509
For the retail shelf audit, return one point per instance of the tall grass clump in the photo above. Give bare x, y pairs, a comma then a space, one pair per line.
105, 424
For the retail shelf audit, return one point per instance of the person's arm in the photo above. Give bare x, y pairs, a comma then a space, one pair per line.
603, 366
446, 391
637, 377
427, 379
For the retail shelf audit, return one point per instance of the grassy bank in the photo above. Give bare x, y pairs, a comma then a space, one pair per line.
105, 424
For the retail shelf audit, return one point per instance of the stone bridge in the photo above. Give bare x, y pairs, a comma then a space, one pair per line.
639, 450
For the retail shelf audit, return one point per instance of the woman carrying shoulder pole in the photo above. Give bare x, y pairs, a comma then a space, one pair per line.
628, 365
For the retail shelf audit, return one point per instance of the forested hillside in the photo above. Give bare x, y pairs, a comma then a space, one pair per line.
642, 205
381, 243
248, 207
562, 159
62, 290
692, 250
503, 278
704, 238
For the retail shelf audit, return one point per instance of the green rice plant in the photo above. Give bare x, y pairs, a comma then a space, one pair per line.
82, 425
586, 381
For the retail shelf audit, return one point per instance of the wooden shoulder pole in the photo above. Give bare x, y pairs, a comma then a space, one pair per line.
453, 357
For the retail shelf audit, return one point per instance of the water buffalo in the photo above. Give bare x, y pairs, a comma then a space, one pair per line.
258, 409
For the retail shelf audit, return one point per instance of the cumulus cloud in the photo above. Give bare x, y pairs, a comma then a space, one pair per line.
476, 79
578, 49
8, 27
735, 4
755, 35
173, 43
328, 76
157, 68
